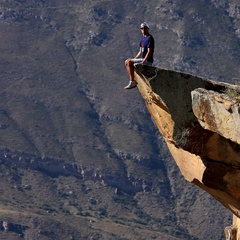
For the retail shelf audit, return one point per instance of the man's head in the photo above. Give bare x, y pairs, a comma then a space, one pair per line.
144, 25
144, 28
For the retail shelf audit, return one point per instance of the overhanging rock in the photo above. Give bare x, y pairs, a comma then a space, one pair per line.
200, 124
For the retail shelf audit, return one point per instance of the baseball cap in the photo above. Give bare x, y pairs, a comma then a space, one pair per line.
144, 24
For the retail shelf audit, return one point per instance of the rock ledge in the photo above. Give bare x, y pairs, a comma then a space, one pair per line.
199, 120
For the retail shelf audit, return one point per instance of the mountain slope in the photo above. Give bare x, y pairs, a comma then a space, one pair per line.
78, 148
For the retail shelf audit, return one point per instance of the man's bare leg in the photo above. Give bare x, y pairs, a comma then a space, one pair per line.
130, 68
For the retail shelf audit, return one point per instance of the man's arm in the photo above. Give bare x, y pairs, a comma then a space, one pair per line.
139, 53
149, 52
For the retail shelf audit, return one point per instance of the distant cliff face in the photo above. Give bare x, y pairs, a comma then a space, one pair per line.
199, 120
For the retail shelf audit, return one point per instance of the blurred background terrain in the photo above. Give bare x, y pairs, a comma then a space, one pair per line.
80, 157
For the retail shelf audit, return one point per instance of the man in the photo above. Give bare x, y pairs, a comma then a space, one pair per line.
144, 56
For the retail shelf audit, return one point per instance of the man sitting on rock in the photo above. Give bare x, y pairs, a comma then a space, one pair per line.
144, 56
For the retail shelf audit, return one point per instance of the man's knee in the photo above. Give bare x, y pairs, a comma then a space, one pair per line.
129, 62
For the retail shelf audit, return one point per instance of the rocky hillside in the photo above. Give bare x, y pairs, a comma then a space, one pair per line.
81, 157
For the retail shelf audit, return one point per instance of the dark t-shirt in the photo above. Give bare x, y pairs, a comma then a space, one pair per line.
147, 42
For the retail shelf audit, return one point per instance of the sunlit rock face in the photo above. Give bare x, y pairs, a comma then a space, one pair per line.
218, 112
199, 120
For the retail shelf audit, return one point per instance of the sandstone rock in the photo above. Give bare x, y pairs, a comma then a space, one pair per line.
218, 113
200, 125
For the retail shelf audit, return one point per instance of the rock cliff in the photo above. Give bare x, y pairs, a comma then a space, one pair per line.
199, 120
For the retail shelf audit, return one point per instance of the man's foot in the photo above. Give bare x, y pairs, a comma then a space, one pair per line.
131, 84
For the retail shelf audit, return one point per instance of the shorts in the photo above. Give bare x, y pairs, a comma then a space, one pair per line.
139, 60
